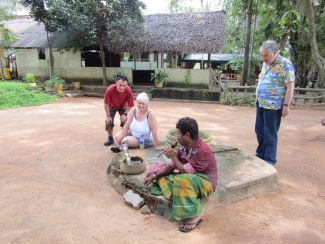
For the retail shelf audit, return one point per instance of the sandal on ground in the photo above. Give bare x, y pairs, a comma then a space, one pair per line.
187, 227
115, 149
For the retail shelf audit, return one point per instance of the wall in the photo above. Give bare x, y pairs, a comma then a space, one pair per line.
176, 77
67, 64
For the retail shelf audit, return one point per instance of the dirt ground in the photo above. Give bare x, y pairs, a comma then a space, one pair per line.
54, 187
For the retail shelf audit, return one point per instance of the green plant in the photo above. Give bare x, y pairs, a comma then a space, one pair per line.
30, 78
55, 80
228, 98
159, 76
117, 74
236, 64
188, 77
217, 72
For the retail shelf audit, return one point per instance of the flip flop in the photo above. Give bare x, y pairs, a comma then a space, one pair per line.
115, 149
187, 229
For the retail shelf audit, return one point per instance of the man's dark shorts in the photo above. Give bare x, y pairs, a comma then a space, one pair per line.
112, 113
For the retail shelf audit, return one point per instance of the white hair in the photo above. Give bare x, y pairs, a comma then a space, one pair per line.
269, 46
143, 97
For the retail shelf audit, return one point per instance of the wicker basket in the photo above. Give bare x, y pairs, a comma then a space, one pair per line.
134, 169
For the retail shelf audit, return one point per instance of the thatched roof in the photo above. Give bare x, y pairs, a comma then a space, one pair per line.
178, 33
181, 33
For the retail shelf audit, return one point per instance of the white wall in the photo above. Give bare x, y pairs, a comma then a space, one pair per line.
67, 64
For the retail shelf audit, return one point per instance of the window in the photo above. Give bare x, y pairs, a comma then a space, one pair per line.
144, 56
41, 53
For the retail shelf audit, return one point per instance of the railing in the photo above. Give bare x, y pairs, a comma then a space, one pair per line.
303, 97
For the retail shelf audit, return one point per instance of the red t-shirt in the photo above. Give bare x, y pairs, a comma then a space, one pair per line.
116, 99
198, 159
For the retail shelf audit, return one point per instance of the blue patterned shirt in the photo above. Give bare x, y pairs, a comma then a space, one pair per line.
271, 88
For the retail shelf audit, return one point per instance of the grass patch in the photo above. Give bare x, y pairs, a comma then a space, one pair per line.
15, 95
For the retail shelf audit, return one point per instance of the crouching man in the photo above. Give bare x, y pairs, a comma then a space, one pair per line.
195, 178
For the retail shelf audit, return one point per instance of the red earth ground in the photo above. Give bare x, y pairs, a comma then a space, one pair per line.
54, 187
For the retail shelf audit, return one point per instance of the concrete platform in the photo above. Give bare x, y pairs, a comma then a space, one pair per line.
240, 177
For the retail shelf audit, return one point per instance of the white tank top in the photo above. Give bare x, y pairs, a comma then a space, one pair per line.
139, 128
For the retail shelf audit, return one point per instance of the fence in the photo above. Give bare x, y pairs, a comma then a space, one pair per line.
303, 97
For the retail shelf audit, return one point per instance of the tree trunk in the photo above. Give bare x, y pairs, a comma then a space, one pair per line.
318, 60
283, 42
2, 70
209, 60
102, 56
51, 57
247, 41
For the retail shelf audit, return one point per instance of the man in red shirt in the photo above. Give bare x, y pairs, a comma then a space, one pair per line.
118, 98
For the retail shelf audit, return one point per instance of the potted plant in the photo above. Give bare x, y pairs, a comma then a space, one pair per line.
54, 84
30, 78
58, 83
159, 77
50, 85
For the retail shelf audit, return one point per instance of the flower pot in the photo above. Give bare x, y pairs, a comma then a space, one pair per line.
50, 88
76, 85
159, 84
59, 88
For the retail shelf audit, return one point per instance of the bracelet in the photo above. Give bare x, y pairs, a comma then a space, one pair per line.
285, 104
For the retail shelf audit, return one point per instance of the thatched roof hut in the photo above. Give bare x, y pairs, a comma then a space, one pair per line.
181, 33
176, 33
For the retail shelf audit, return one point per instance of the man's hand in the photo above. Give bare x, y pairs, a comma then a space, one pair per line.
108, 120
285, 111
123, 118
148, 180
170, 153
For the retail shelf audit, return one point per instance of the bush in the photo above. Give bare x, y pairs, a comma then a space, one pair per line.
229, 98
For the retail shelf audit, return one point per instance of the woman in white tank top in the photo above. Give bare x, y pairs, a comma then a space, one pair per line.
141, 121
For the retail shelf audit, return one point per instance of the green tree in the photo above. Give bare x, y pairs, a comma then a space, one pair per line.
318, 60
287, 23
87, 22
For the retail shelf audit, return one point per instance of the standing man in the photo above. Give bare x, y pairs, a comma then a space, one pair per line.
274, 93
118, 98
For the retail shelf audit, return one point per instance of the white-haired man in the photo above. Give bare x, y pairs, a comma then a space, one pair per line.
274, 93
